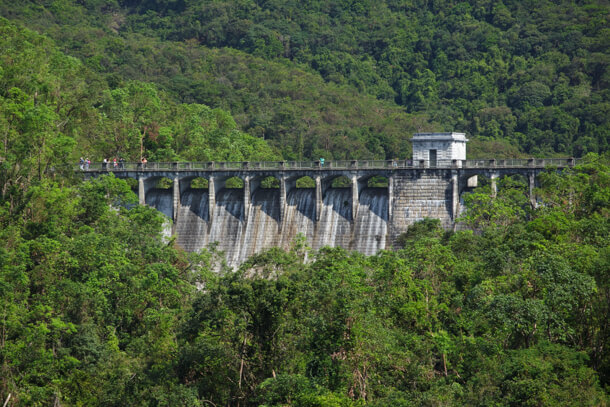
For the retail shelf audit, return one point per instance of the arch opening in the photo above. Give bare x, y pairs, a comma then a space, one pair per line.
163, 183
377, 181
515, 181
373, 204
305, 182
270, 182
160, 195
199, 183
482, 182
132, 182
300, 212
341, 182
337, 201
234, 183
472, 182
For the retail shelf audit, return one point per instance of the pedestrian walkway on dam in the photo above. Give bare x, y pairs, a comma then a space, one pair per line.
330, 165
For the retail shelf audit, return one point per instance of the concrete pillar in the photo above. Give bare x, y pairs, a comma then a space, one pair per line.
455, 187
246, 197
494, 185
355, 197
318, 197
141, 192
176, 196
282, 199
532, 183
211, 199
390, 198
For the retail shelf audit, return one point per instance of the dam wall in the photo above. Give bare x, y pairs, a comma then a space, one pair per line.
367, 211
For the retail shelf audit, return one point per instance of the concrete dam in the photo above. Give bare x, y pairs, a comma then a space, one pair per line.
248, 220
360, 216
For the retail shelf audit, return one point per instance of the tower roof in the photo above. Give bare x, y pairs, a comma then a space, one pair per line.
459, 137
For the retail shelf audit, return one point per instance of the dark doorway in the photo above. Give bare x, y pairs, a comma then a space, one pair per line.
432, 158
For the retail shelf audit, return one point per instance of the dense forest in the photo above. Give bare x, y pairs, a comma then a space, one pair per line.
99, 307
357, 77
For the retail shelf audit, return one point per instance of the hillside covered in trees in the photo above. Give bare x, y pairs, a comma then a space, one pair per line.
326, 78
97, 307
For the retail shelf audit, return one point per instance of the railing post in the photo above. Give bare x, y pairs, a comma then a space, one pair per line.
422, 163
454, 163
211, 165
492, 163
245, 164
282, 165
571, 161
175, 165
531, 162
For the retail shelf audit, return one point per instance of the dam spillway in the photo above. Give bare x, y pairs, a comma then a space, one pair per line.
357, 215
240, 236
243, 221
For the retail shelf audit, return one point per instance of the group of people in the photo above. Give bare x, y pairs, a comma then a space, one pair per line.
108, 164
84, 163
116, 164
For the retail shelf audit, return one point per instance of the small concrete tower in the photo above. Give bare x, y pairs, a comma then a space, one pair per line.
439, 147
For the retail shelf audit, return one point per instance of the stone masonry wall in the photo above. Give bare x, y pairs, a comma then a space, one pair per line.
419, 195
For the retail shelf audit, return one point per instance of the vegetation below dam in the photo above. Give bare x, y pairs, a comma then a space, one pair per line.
100, 308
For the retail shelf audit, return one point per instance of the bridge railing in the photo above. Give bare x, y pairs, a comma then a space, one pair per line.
333, 164
301, 164
519, 163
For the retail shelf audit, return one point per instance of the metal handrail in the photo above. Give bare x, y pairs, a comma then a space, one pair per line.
331, 164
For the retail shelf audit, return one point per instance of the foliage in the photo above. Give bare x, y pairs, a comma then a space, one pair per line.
50, 118
509, 206
326, 78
